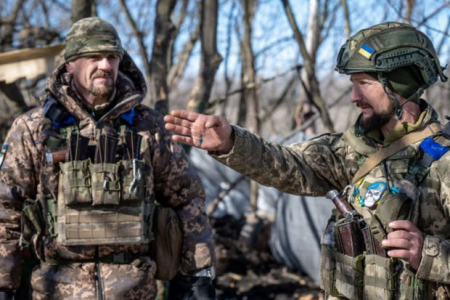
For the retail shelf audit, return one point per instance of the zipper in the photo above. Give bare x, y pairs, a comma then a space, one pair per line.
115, 108
98, 276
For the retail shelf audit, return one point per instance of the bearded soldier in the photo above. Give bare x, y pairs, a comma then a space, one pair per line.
391, 240
88, 169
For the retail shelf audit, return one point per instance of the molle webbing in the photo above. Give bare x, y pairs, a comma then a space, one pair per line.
103, 200
87, 226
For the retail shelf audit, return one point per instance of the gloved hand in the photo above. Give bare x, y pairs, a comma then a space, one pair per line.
6, 295
203, 289
186, 287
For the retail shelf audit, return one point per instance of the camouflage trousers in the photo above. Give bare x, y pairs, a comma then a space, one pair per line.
79, 281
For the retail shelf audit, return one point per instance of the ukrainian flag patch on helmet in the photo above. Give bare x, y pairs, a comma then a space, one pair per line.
366, 51
2, 154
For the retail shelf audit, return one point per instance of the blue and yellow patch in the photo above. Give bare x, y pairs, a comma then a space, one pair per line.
3, 154
366, 51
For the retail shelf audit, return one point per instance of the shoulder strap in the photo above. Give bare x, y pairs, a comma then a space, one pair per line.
376, 158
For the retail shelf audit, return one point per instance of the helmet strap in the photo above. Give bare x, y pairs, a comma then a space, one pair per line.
398, 107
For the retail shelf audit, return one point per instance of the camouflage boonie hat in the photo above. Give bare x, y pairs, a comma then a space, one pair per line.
389, 46
90, 36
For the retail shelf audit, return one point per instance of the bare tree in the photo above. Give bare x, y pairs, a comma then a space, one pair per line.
164, 30
210, 58
177, 70
83, 9
7, 26
410, 4
249, 96
348, 27
139, 36
312, 84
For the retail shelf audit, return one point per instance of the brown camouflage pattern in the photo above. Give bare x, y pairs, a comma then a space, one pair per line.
330, 161
92, 35
78, 281
174, 183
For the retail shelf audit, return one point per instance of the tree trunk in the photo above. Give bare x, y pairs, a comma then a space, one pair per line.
348, 27
158, 66
83, 9
176, 71
312, 84
250, 96
139, 36
178, 24
7, 27
210, 60
410, 4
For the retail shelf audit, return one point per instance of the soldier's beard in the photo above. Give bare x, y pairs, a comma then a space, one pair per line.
104, 90
378, 119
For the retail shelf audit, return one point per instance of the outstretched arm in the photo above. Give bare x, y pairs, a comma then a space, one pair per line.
213, 133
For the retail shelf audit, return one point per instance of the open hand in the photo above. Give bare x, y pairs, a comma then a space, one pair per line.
406, 242
206, 132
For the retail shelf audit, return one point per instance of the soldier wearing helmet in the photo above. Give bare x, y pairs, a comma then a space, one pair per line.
391, 167
91, 170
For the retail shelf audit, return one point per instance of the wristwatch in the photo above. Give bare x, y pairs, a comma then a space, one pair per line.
209, 272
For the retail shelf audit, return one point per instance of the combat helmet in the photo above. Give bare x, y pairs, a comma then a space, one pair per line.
389, 46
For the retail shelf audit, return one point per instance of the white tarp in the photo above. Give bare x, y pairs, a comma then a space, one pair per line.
299, 221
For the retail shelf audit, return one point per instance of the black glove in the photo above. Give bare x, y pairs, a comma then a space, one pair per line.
203, 289
185, 287
6, 295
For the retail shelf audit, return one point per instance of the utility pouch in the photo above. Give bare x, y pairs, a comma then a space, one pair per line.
75, 182
349, 275
327, 263
105, 152
78, 146
166, 248
105, 184
132, 145
31, 221
372, 245
348, 237
379, 277
328, 270
134, 180
410, 286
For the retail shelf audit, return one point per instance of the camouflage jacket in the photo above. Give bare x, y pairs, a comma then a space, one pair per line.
330, 161
174, 183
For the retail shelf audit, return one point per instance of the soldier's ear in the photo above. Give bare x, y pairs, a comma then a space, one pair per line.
69, 67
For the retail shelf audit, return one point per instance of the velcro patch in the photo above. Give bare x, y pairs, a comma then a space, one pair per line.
366, 51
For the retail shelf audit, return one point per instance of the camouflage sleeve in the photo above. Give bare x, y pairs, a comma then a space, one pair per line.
309, 168
435, 264
17, 174
177, 185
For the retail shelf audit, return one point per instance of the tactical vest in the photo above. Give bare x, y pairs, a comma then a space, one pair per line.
103, 195
371, 276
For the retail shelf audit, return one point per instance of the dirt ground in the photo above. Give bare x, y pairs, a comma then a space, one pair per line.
247, 270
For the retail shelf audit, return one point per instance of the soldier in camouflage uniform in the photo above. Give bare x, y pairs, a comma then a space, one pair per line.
392, 167
94, 160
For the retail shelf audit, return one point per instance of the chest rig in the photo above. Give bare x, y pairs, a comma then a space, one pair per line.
353, 263
103, 189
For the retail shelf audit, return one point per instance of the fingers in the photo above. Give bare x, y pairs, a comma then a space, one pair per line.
397, 243
405, 242
178, 129
403, 254
183, 139
404, 225
184, 114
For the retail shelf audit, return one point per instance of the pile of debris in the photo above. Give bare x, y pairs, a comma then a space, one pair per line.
247, 270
